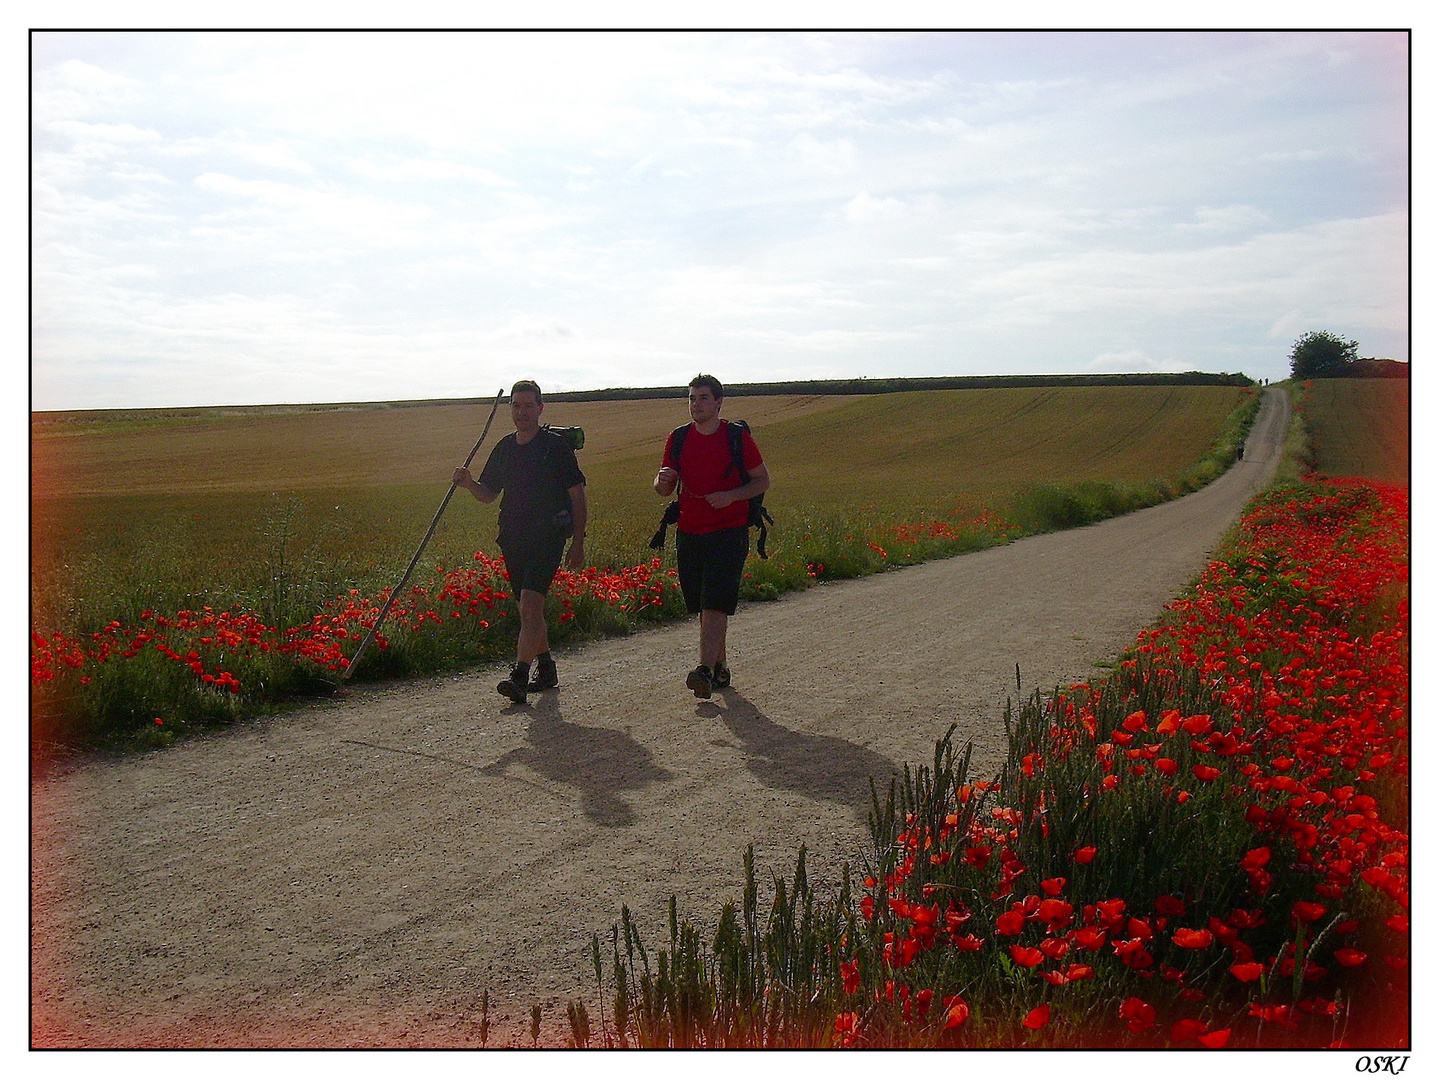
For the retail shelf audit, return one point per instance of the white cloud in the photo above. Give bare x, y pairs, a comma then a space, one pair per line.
1130, 361
581, 205
866, 208
1213, 219
1289, 326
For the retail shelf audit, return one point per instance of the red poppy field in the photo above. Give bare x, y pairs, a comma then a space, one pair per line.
1208, 849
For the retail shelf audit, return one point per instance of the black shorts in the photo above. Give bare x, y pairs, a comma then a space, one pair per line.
532, 561
710, 565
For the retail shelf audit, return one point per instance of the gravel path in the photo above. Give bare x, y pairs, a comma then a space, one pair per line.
356, 873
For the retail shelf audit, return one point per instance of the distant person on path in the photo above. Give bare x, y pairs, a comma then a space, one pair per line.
712, 535
544, 504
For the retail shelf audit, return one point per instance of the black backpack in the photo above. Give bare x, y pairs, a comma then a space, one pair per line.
759, 517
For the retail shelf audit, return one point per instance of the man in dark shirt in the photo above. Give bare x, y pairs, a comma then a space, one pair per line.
712, 537
544, 503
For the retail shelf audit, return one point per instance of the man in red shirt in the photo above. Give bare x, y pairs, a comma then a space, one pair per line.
713, 534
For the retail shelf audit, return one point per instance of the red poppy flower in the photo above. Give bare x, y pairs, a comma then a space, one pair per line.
1088, 937
967, 943
1185, 1030
1055, 978
1037, 1017
1306, 912
1247, 972
1196, 725
847, 1027
1055, 948
1215, 1040
1135, 722
850, 976
1025, 956
1053, 886
1399, 923
1085, 855
1055, 913
1137, 1014
1010, 923
956, 1011
922, 1003
1193, 939
1170, 905
1132, 954
1246, 920
1165, 766
1272, 1014
1350, 957
1079, 972
1205, 773
1110, 911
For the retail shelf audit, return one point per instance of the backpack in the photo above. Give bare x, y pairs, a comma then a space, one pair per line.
575, 436
759, 517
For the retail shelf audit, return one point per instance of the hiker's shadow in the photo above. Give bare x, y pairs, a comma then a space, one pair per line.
600, 762
820, 766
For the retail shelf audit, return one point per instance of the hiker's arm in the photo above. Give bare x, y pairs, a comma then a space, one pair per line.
758, 485
462, 478
579, 515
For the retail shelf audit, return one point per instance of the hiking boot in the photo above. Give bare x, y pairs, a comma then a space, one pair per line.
700, 681
546, 677
721, 678
515, 685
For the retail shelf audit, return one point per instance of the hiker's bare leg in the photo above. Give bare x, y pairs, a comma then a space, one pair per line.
533, 637
712, 637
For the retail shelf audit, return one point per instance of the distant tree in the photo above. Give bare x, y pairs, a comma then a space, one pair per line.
1321, 354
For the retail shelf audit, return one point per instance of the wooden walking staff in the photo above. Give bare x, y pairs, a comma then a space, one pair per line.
354, 660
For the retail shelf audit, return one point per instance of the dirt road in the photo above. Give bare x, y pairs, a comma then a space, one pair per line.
356, 873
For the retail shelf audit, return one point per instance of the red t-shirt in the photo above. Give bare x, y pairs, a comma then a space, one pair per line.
705, 467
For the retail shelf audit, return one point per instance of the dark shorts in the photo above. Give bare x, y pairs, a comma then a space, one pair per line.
532, 561
710, 565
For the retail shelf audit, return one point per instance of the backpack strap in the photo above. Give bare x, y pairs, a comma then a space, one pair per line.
672, 509
677, 443
734, 429
759, 517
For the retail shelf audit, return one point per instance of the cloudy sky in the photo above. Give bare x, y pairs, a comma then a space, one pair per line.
251, 218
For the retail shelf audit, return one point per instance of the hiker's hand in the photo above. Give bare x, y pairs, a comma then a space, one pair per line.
665, 480
462, 477
575, 557
720, 499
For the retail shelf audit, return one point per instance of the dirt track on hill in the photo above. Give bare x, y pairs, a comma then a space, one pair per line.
356, 873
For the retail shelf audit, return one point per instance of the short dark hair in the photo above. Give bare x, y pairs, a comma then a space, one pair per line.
527, 386
711, 383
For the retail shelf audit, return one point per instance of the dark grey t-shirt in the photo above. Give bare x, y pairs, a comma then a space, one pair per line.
535, 480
